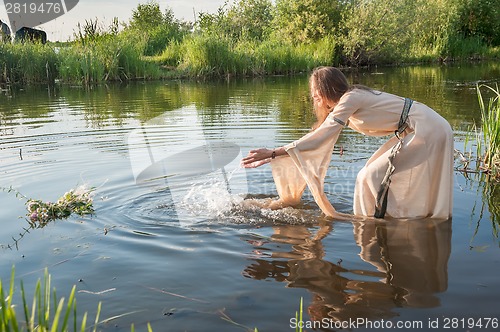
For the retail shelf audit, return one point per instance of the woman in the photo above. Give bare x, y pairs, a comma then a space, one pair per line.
410, 176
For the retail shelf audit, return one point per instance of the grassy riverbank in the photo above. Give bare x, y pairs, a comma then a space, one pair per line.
260, 37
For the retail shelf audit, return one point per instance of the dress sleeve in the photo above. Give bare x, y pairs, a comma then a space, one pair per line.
310, 158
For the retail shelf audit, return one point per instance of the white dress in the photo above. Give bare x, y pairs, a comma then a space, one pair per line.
422, 183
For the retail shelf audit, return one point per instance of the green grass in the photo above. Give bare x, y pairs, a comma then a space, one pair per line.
45, 313
265, 41
209, 56
299, 315
110, 58
120, 57
103, 59
27, 63
482, 142
488, 139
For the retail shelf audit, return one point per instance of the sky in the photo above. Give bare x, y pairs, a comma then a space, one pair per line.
63, 27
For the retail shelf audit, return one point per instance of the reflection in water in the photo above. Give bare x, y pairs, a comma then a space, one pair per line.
74, 135
409, 263
490, 192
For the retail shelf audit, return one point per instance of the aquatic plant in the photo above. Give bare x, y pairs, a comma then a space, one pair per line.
211, 56
484, 159
44, 314
488, 138
47, 313
106, 58
76, 201
299, 315
228, 319
27, 63
208, 56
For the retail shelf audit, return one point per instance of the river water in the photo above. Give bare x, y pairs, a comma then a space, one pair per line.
173, 244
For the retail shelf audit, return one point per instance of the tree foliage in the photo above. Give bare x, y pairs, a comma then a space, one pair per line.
252, 18
149, 16
158, 28
307, 20
245, 20
356, 32
376, 29
480, 18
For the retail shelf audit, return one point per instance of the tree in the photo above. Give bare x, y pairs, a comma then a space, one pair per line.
216, 23
480, 18
158, 28
252, 18
147, 16
307, 20
244, 20
377, 29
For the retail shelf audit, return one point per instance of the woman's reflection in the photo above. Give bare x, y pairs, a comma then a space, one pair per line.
408, 267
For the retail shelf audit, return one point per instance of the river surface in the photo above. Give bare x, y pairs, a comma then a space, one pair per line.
173, 244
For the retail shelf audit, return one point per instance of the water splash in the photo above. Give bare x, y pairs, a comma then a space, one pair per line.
212, 200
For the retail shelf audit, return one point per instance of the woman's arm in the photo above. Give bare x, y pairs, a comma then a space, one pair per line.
259, 157
326, 133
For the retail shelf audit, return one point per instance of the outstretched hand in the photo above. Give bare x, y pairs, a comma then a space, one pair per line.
256, 158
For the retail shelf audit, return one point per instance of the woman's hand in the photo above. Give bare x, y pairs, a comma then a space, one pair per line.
256, 158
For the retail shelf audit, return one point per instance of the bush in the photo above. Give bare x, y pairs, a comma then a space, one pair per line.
209, 56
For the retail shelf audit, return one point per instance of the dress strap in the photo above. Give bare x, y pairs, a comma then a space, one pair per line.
403, 120
381, 202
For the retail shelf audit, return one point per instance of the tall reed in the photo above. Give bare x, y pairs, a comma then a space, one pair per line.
299, 316
46, 312
488, 140
27, 63
208, 55
107, 58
